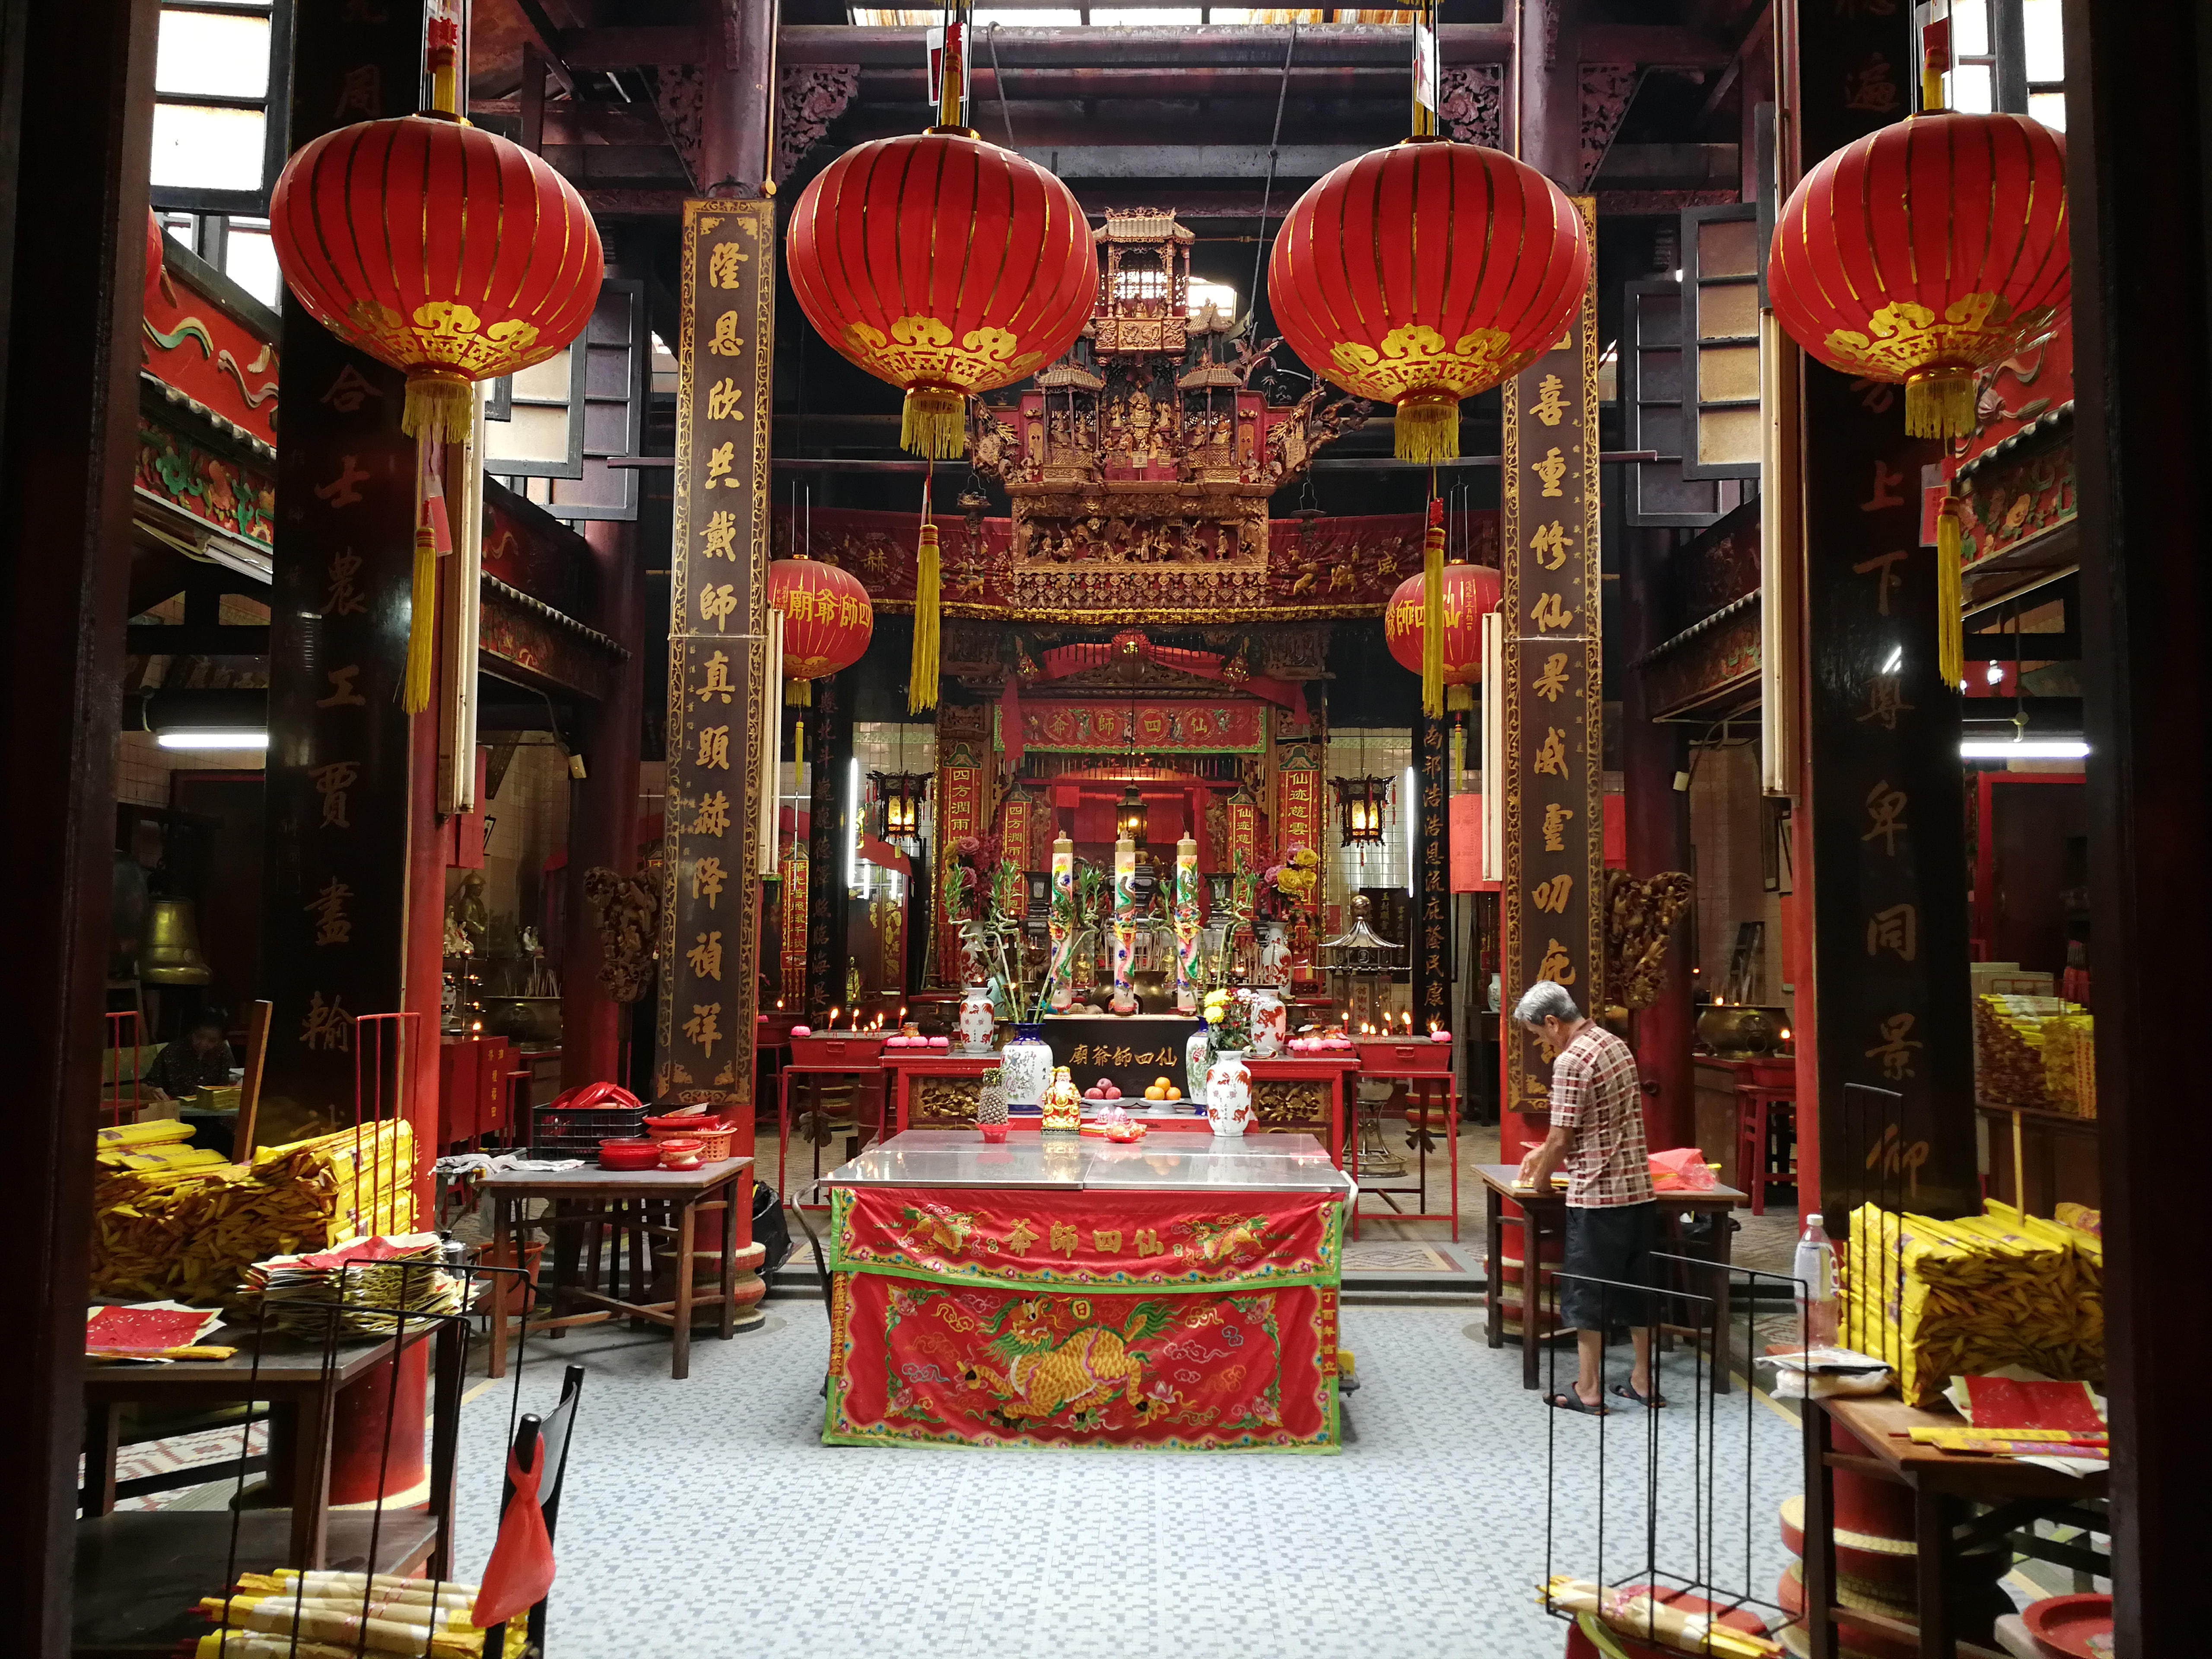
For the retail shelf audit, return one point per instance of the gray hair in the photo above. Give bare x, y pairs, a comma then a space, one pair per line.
1546, 999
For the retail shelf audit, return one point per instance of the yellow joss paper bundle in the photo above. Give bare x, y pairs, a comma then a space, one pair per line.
153, 1133
1939, 1299
319, 1616
190, 1232
2069, 1063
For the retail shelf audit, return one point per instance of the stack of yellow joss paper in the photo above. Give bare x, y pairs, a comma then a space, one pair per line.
188, 1230
2069, 1063
1939, 1299
2010, 1066
290, 1614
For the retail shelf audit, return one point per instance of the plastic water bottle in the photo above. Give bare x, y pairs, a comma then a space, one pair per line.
1815, 1269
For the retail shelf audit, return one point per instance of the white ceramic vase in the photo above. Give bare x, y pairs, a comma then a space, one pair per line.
1271, 1021
979, 1022
1229, 1096
1025, 1067
1196, 1062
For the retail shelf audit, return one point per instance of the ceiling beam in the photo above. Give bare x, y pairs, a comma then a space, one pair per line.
204, 640
546, 38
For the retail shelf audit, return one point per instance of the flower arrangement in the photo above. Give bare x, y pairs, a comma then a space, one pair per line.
1294, 879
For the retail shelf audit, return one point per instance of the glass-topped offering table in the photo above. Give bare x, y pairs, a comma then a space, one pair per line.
1062, 1291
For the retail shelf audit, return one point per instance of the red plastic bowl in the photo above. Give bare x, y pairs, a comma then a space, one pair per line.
2064, 1623
630, 1154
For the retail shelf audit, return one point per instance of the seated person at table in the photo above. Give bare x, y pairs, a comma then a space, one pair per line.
1597, 1134
199, 1059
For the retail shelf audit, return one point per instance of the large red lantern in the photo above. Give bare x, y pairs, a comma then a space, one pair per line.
1420, 275
827, 620
449, 253
945, 265
439, 248
1927, 253
1471, 592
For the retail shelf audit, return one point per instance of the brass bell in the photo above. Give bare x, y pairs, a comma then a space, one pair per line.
170, 954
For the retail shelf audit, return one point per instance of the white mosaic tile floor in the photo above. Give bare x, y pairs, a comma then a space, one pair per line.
704, 1517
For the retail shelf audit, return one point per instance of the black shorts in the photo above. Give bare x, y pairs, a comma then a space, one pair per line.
1613, 1243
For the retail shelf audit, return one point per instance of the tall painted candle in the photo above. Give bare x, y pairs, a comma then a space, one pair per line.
1124, 916
1059, 922
1186, 924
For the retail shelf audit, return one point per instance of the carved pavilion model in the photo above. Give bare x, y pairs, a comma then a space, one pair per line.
1140, 466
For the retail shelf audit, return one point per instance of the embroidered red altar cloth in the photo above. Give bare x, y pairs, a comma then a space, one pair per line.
1175, 1320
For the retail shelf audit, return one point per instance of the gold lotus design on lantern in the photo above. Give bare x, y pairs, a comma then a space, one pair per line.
1904, 337
1416, 359
450, 334
920, 350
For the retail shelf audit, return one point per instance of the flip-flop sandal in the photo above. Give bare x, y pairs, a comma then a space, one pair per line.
1652, 1401
1571, 1402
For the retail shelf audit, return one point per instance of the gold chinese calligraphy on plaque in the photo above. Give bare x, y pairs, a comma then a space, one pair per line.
1553, 783
718, 654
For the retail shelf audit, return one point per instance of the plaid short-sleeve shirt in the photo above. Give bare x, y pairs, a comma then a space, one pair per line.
1596, 1095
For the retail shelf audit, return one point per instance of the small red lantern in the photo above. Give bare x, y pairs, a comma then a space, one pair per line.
1422, 274
945, 265
1927, 253
827, 620
1471, 593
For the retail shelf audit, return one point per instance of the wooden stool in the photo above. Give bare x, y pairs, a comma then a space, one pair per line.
1764, 1114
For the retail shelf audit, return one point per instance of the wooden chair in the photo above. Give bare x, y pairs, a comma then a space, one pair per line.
1765, 1138
558, 1428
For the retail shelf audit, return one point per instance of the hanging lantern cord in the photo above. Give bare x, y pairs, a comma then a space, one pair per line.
1266, 194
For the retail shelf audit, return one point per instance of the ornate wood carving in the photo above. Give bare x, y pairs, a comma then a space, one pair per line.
627, 912
1607, 90
1640, 918
808, 98
1474, 104
938, 1103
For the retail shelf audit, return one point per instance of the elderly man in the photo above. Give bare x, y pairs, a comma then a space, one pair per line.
1597, 1134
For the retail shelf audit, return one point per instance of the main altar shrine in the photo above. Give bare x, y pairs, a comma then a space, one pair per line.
1134, 709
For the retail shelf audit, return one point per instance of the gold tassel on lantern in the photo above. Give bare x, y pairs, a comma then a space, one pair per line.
935, 424
1950, 607
1459, 699
1939, 403
798, 694
921, 676
1428, 428
1433, 612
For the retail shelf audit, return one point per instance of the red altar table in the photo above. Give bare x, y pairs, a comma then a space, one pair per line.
931, 1088
1425, 1067
1057, 1292
1302, 1092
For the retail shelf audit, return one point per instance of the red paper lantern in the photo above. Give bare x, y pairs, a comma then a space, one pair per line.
439, 248
1927, 253
1420, 275
945, 265
1471, 593
826, 618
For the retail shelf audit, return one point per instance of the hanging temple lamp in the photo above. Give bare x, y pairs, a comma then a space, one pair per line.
448, 253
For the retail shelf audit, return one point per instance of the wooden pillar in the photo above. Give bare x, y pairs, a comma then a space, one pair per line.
75, 113
604, 831
1658, 840
342, 815
1553, 782
829, 740
1547, 112
1887, 831
2140, 199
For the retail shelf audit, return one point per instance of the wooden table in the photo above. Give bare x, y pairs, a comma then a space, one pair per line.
293, 1376
688, 1192
1941, 1483
1546, 1216
1424, 1064
1286, 1096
